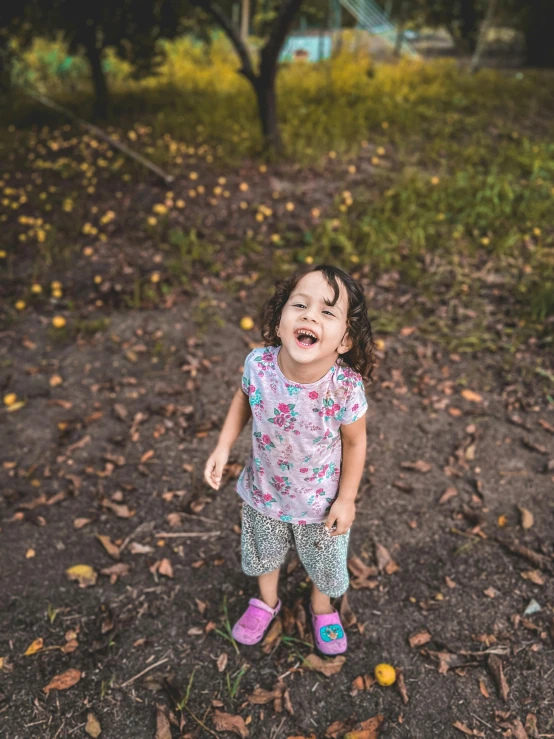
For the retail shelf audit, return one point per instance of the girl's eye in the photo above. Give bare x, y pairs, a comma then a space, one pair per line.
299, 305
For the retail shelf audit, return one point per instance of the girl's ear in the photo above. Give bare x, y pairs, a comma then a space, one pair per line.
346, 343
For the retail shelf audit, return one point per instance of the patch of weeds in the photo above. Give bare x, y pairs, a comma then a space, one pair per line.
232, 687
192, 253
205, 314
227, 624
52, 613
105, 687
182, 704
90, 326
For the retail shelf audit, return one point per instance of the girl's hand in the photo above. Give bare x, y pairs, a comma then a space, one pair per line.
214, 467
343, 512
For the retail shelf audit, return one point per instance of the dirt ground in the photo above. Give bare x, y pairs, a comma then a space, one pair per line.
102, 465
122, 444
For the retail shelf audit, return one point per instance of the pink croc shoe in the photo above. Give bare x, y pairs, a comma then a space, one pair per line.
252, 625
329, 635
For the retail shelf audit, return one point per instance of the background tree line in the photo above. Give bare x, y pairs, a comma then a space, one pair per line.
134, 27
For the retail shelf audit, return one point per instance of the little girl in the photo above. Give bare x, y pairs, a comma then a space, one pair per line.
305, 393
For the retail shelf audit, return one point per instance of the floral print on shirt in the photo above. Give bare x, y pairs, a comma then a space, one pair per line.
293, 472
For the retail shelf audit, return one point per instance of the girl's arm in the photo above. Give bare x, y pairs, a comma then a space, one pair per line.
237, 417
343, 510
354, 446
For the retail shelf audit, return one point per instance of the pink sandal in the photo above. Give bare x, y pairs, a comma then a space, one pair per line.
329, 635
252, 625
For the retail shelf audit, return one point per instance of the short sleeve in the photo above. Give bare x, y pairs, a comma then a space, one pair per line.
356, 404
246, 374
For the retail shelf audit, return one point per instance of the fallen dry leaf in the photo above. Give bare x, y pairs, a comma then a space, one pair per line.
418, 466
80, 522
471, 396
491, 592
109, 546
273, 634
401, 685
328, 666
163, 728
447, 495
527, 519
335, 730
346, 614
495, 666
366, 729
287, 617
359, 569
535, 576
63, 681
92, 726
70, 646
363, 682
483, 689
36, 646
419, 638
165, 568
136, 548
222, 661
121, 510
116, 570
228, 722
5, 666
463, 727
385, 562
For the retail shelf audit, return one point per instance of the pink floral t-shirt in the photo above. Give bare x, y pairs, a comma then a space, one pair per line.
294, 468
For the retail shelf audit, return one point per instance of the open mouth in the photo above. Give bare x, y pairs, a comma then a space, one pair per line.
305, 338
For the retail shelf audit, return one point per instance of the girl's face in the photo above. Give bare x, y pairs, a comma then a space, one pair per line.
306, 310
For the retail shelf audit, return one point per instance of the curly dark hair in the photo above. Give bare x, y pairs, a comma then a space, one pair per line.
361, 356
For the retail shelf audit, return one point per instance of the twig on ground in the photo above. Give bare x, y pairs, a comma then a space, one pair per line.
132, 680
167, 178
142, 527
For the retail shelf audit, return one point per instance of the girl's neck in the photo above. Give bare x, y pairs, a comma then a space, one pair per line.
301, 373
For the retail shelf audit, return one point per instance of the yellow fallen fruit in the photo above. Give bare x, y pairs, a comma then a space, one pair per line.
58, 322
246, 323
385, 674
84, 574
10, 399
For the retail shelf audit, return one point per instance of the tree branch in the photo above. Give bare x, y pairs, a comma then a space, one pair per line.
270, 52
223, 20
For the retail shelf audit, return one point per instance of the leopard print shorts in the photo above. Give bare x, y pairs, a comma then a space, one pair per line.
265, 542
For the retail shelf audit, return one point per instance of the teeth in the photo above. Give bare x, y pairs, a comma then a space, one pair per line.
304, 332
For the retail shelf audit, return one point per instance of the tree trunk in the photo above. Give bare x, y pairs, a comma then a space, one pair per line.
538, 33
400, 28
94, 54
469, 25
264, 85
5, 65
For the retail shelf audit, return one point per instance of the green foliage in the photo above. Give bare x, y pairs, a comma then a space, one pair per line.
485, 140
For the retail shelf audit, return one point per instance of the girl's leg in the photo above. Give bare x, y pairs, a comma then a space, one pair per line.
268, 585
321, 603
